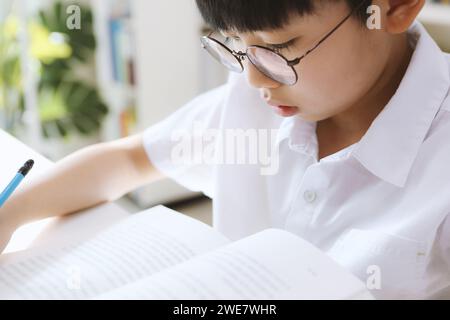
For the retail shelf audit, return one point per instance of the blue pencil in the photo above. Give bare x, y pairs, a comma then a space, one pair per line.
15, 181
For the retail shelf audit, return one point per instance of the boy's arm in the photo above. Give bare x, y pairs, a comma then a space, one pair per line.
89, 177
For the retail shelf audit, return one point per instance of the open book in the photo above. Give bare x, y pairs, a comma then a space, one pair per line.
162, 254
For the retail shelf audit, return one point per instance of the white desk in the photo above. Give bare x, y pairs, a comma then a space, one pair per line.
54, 230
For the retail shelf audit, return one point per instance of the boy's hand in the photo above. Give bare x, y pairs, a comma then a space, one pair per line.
6, 231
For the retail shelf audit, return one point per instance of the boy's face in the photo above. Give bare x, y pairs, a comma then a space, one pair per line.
332, 78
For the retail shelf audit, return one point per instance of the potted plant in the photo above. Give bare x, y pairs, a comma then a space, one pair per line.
70, 108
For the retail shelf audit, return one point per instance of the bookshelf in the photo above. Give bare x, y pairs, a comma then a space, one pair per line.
116, 66
436, 18
148, 67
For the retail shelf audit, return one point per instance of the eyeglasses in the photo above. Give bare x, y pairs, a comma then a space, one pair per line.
269, 62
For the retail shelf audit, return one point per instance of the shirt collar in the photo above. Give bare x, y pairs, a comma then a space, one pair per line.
391, 144
300, 134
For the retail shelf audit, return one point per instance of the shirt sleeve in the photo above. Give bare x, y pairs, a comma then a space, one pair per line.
176, 146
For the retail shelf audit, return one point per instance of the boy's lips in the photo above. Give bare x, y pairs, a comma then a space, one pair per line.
283, 110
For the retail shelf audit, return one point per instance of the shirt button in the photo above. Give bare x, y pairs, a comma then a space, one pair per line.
309, 196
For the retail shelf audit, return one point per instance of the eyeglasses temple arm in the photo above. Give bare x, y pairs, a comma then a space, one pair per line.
330, 33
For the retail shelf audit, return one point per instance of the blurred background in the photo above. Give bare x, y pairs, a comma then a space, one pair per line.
74, 73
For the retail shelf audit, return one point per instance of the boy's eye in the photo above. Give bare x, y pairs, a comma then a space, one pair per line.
232, 39
237, 42
282, 46
233, 42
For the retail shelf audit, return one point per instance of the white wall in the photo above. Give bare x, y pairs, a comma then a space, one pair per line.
168, 56
171, 70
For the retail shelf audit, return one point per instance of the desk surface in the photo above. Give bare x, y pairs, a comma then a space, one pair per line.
53, 230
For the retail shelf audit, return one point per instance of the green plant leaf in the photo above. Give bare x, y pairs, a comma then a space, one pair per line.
74, 105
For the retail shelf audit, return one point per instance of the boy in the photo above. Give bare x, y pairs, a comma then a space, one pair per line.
362, 118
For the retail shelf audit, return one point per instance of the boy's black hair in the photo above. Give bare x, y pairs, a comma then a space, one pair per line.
258, 15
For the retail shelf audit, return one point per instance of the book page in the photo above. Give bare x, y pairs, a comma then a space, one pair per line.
57, 232
138, 246
16, 156
272, 264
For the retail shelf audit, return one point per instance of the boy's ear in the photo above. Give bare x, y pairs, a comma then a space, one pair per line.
401, 14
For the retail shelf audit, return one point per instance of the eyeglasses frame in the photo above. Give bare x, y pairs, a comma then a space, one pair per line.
240, 56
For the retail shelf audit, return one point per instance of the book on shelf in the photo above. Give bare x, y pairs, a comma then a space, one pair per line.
122, 50
163, 254
122, 57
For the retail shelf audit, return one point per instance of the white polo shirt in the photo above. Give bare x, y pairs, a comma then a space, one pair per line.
381, 205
